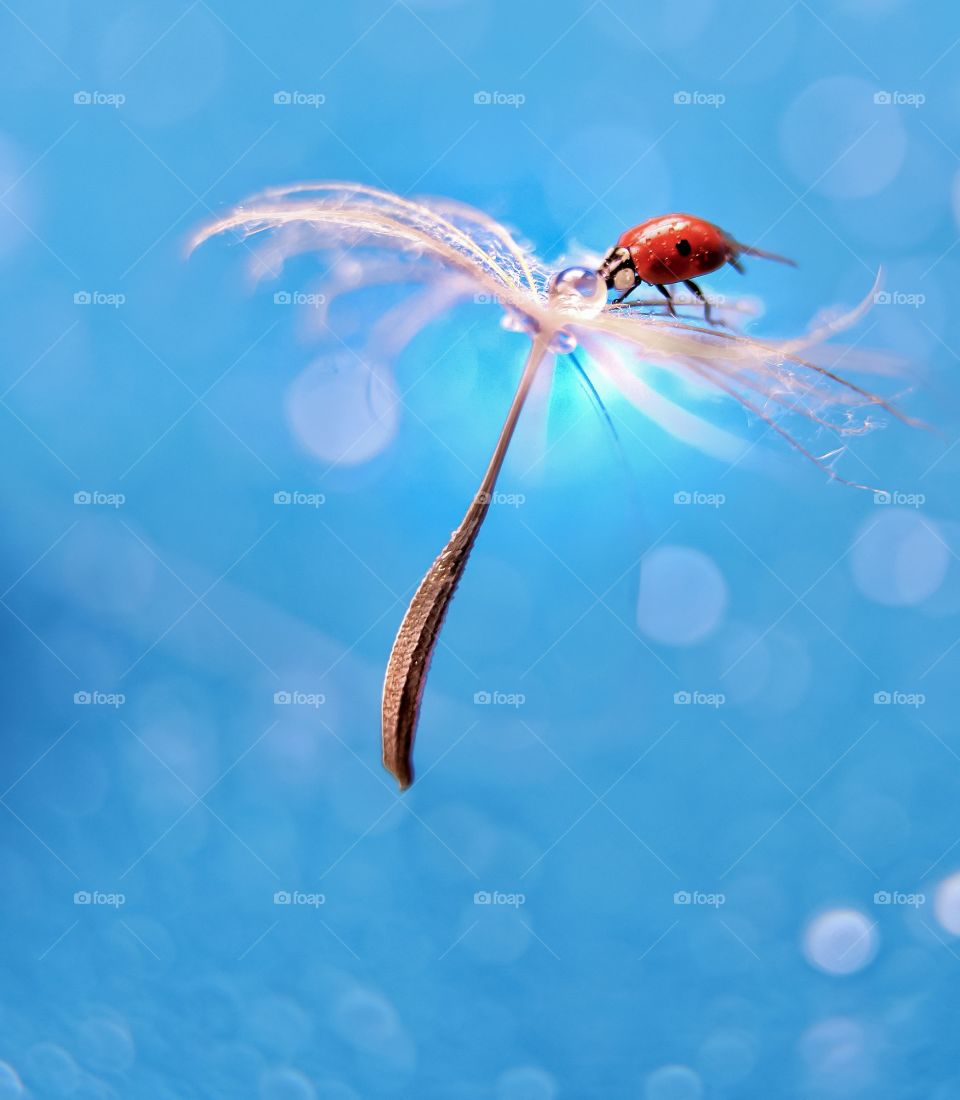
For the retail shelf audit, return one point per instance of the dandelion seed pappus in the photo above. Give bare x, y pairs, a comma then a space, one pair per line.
451, 253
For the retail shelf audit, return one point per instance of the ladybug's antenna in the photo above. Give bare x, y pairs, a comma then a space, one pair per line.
749, 251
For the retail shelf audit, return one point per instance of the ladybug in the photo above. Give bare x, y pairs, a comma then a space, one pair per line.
673, 248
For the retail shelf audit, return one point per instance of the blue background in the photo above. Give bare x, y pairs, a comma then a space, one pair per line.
598, 798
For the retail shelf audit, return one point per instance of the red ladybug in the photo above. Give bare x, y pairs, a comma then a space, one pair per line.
673, 248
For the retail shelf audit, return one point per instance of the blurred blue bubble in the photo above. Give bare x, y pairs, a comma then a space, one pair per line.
899, 557
840, 142
526, 1083
673, 1083
286, 1084
841, 941
683, 595
11, 1087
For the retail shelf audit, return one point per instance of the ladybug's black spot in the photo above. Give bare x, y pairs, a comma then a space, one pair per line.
683, 247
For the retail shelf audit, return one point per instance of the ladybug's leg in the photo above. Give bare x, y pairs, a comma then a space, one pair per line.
626, 294
694, 289
666, 293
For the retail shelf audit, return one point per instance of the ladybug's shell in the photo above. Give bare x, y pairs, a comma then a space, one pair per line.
660, 253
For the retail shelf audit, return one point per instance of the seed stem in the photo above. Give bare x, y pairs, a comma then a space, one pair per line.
417, 637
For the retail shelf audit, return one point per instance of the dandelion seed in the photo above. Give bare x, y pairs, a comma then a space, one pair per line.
454, 253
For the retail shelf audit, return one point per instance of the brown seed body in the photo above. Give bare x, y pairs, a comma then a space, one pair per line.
417, 637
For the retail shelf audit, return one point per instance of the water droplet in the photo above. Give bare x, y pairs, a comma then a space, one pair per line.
563, 342
514, 321
578, 291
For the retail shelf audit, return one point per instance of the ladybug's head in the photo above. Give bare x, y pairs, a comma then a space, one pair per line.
617, 270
